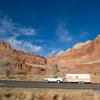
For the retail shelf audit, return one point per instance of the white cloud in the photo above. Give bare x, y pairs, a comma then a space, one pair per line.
27, 31
9, 28
10, 31
53, 52
63, 33
78, 45
25, 46
68, 50
59, 53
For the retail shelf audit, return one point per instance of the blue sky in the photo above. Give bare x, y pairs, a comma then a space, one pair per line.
46, 27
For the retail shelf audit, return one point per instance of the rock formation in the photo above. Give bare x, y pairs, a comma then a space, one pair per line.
20, 59
82, 58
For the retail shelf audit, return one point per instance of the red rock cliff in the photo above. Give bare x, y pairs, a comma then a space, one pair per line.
82, 58
20, 58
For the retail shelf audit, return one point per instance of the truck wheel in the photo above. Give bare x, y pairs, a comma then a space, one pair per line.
58, 81
46, 81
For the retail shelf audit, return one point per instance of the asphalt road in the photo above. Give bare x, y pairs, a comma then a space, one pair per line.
38, 84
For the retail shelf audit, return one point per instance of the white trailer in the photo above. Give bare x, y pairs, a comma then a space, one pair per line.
80, 78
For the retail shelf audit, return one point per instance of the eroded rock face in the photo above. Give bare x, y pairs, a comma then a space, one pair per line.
85, 57
20, 58
82, 58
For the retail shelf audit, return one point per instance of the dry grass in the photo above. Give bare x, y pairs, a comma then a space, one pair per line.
23, 77
48, 94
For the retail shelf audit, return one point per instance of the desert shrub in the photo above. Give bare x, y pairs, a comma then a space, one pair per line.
33, 97
6, 68
21, 96
64, 97
55, 97
8, 95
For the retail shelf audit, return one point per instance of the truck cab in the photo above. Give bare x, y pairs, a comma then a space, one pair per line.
53, 79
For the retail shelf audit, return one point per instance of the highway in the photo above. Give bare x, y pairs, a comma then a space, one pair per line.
38, 84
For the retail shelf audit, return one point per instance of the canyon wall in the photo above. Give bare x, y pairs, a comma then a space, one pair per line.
82, 58
20, 59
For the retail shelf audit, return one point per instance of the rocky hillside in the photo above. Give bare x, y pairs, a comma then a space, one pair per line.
23, 61
82, 58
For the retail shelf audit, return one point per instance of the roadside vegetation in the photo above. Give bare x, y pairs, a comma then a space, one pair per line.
5, 68
9, 71
48, 94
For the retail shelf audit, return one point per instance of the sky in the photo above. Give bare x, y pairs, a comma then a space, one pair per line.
46, 27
